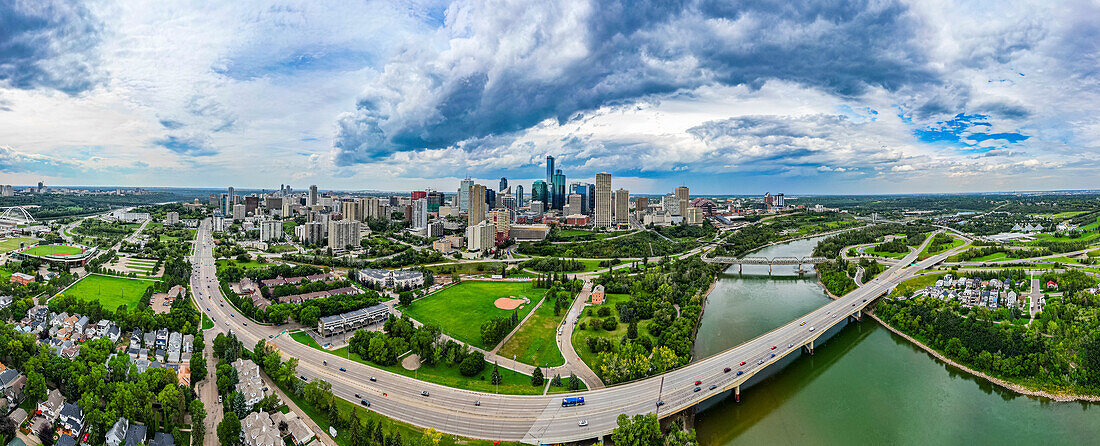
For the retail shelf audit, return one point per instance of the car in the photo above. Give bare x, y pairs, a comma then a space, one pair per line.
357, 395
773, 347
304, 378
865, 300
232, 315
660, 403
246, 324
773, 355
221, 305
425, 393
582, 423
697, 389
226, 323
364, 402
712, 387
790, 345
207, 308
343, 369
853, 305
803, 323
742, 363
739, 373
726, 370
477, 403
760, 361
811, 328
698, 382
373, 379
324, 362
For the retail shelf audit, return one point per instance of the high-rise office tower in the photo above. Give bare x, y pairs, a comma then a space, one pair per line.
519, 196
343, 233
464, 194
640, 206
549, 169
476, 212
622, 207
558, 190
682, 193
573, 205
540, 192
312, 200
435, 199
603, 200
503, 184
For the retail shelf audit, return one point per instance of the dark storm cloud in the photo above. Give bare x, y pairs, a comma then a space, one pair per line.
614, 53
48, 44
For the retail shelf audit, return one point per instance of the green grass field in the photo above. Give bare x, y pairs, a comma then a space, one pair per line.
460, 310
578, 339
110, 291
926, 253
251, 264
891, 255
467, 268
535, 343
907, 287
1048, 237
512, 382
10, 244
206, 322
53, 250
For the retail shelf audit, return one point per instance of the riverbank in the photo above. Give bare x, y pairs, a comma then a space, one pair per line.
1023, 390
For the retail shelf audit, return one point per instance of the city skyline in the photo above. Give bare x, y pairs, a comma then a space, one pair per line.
936, 98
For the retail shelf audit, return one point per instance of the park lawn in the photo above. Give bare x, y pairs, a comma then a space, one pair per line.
47, 250
1048, 237
992, 257
110, 291
579, 336
5, 275
10, 244
467, 268
460, 310
206, 322
536, 341
891, 255
907, 287
512, 382
926, 253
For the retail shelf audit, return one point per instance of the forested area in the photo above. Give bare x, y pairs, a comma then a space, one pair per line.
548, 264
654, 293
1059, 351
306, 312
739, 242
50, 206
831, 246
639, 244
406, 257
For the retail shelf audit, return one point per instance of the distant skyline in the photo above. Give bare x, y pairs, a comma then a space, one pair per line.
818, 97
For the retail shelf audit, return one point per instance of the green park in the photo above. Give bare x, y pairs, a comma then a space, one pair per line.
110, 291
460, 310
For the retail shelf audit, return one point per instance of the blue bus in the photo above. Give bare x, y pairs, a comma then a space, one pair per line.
575, 401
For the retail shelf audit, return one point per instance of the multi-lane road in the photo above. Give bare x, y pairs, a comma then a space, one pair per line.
539, 419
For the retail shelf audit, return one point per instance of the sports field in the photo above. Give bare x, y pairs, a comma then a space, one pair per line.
460, 310
53, 250
110, 291
536, 343
9, 244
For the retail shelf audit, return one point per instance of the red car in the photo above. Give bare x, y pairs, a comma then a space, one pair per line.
698, 382
773, 347
742, 363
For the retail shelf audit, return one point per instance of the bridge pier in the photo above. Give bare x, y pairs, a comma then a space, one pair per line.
740, 266
769, 269
737, 394
809, 347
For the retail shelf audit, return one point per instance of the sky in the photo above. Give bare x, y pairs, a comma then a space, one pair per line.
725, 96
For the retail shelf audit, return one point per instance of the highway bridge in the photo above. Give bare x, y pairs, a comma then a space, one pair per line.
542, 419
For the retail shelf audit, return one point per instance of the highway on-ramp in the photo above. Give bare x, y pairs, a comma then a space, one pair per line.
538, 419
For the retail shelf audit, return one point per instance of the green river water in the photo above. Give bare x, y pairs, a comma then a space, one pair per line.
864, 385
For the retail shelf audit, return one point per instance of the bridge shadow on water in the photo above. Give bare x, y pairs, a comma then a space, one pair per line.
783, 378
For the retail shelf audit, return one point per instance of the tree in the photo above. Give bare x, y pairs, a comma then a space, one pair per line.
309, 315
536, 377
229, 431
574, 382
36, 386
473, 364
642, 430
405, 298
198, 426
496, 374
7, 427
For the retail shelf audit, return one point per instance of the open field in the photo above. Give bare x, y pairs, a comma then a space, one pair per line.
927, 252
890, 255
907, 287
53, 250
535, 343
251, 264
9, 244
467, 268
110, 291
512, 382
460, 310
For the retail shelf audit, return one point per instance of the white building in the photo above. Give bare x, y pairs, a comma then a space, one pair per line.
343, 233
420, 214
249, 382
172, 218
271, 230
481, 237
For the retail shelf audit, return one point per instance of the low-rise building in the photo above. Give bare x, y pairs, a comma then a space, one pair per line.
340, 323
249, 382
398, 279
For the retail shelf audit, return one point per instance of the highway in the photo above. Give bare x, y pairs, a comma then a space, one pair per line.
541, 419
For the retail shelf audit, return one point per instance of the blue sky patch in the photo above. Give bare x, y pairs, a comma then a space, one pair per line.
967, 131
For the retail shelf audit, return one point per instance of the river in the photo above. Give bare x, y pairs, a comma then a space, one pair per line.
864, 385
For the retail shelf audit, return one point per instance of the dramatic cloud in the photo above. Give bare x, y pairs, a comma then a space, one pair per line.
48, 44
504, 68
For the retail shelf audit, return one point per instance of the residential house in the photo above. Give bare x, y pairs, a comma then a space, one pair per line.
71, 419
162, 439
249, 382
116, 435
259, 430
51, 407
135, 435
299, 432
11, 386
